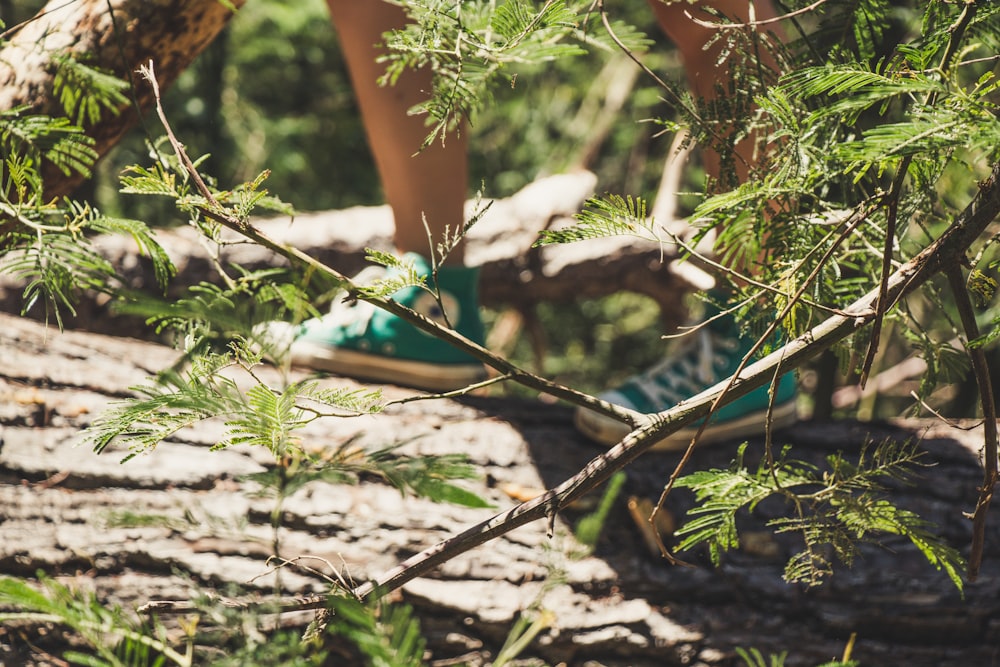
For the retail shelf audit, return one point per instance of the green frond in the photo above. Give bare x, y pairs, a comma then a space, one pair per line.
113, 638
145, 240
240, 203
428, 476
809, 567
403, 275
474, 47
269, 420
884, 146
351, 401
386, 634
722, 493
271, 417
210, 316
84, 91
53, 256
611, 215
55, 139
155, 180
165, 405
754, 658
851, 29
834, 510
855, 88
258, 416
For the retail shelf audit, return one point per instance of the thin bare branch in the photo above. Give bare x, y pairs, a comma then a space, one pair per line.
753, 22
963, 231
981, 370
957, 32
650, 429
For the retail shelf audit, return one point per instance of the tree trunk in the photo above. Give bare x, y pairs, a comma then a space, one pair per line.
116, 36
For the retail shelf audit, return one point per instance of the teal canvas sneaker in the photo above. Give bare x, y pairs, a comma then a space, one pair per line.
702, 359
359, 340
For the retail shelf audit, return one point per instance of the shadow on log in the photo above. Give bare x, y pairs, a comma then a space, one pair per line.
124, 530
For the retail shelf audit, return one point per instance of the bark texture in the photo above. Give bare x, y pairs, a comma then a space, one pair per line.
114, 35
127, 530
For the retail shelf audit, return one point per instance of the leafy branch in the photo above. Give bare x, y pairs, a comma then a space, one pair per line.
962, 232
471, 47
118, 640
270, 418
836, 508
210, 207
947, 248
209, 390
46, 243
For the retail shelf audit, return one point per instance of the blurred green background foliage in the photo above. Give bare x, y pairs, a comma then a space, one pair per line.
272, 92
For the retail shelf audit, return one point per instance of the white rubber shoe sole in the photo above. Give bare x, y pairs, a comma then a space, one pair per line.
375, 368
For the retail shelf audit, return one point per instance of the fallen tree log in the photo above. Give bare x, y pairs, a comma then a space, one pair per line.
126, 530
512, 272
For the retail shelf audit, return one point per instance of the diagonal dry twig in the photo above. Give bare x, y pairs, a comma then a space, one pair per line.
991, 473
964, 230
934, 259
957, 31
218, 212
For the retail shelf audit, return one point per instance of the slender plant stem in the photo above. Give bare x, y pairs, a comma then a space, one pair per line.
963, 231
957, 31
980, 368
934, 259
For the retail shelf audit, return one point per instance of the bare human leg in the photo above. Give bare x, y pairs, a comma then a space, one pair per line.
426, 190
430, 185
679, 19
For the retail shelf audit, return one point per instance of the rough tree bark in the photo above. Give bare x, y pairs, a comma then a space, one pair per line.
127, 532
113, 35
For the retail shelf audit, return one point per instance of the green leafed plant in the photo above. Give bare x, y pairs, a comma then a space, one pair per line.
47, 244
113, 639
870, 140
832, 510
387, 635
474, 46
588, 529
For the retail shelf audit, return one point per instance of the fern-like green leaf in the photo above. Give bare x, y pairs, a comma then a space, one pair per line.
55, 139
84, 92
602, 217
723, 493
428, 476
145, 240
260, 415
388, 635
268, 421
162, 407
113, 638
836, 509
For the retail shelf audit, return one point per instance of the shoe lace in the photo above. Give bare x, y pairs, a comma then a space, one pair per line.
693, 365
